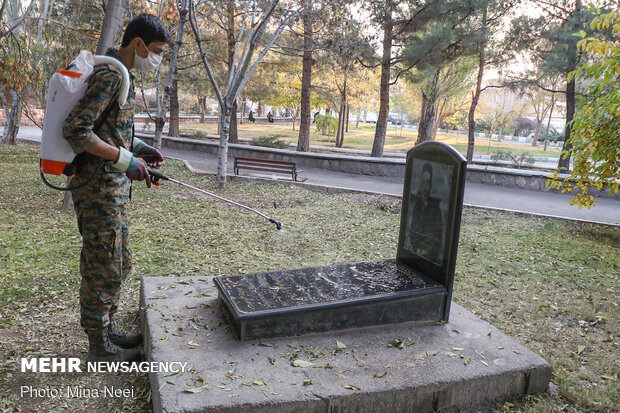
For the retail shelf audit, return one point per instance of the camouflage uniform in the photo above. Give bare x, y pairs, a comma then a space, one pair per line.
100, 205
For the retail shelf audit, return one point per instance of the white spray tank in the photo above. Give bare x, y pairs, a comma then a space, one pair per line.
66, 87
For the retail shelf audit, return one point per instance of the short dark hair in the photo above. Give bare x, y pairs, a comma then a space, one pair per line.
147, 27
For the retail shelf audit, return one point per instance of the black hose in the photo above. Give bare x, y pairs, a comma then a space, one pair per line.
71, 188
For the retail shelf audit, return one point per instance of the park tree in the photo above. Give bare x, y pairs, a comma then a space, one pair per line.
594, 130
487, 23
541, 102
449, 37
443, 91
553, 49
405, 98
112, 25
288, 87
260, 87
221, 22
308, 18
36, 38
18, 71
256, 18
170, 87
362, 94
343, 46
554, 86
396, 21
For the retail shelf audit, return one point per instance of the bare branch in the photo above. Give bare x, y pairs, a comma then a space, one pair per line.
196, 29
29, 116
552, 5
2, 7
233, 64
284, 21
233, 89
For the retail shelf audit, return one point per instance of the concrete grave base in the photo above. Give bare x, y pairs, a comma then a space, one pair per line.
464, 365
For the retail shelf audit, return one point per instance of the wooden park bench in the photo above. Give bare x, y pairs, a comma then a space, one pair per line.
266, 165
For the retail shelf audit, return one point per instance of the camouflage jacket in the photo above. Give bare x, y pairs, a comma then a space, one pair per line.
99, 117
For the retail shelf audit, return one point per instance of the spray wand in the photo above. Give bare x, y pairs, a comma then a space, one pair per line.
156, 176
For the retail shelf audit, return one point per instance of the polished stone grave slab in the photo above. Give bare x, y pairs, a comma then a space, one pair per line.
416, 286
300, 301
465, 365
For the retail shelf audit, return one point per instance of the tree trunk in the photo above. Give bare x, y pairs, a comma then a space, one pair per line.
564, 162
303, 142
202, 105
359, 115
347, 117
427, 114
222, 155
471, 132
232, 41
537, 131
232, 128
13, 119
340, 129
342, 115
112, 25
159, 130
549, 123
47, 10
160, 120
173, 127
242, 110
438, 119
384, 94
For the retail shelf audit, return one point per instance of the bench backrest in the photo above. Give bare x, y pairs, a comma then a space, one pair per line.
254, 161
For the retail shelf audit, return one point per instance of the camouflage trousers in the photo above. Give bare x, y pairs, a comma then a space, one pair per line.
105, 259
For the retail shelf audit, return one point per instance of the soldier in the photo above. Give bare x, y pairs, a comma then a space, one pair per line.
100, 131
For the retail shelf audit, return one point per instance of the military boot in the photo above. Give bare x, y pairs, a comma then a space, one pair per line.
120, 339
100, 348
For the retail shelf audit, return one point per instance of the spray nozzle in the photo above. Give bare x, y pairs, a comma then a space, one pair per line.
278, 223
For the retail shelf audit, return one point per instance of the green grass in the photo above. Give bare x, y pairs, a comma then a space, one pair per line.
396, 140
552, 285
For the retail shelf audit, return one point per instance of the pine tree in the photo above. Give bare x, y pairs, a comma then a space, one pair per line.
551, 42
451, 35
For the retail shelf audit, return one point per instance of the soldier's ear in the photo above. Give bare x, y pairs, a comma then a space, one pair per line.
136, 42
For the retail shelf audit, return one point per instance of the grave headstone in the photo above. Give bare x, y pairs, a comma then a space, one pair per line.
431, 213
416, 286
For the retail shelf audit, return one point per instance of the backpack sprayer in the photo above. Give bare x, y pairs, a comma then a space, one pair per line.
66, 87
156, 176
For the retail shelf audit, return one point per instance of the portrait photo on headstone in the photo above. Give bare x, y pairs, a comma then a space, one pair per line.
429, 200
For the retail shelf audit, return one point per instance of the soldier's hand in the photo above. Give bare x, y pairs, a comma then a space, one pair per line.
138, 172
152, 156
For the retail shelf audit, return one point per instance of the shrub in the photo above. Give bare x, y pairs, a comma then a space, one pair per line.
524, 127
196, 134
326, 124
554, 136
270, 141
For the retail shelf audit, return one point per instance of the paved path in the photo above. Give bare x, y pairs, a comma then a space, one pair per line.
490, 196
544, 203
